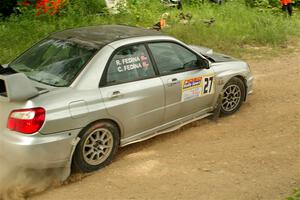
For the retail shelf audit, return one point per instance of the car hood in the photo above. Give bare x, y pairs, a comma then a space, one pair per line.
211, 55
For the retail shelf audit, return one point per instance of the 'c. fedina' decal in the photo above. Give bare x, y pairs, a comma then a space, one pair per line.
131, 63
128, 64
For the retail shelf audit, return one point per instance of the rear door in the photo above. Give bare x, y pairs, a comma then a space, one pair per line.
132, 92
188, 88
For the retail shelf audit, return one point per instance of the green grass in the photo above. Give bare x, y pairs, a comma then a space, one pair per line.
296, 195
235, 26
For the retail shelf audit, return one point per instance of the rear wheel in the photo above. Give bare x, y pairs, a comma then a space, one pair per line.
233, 96
99, 143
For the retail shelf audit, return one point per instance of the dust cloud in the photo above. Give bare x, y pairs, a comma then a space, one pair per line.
17, 183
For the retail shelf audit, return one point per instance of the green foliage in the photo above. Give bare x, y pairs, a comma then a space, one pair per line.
142, 13
296, 195
85, 7
274, 3
194, 2
235, 26
258, 3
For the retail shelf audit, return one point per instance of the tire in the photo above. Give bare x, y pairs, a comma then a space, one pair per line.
233, 96
98, 144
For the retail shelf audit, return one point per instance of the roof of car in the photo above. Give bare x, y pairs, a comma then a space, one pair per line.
99, 36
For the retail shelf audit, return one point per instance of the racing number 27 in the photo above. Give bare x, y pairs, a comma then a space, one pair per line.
208, 82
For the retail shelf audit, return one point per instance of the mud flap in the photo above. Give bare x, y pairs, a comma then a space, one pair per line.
216, 113
67, 169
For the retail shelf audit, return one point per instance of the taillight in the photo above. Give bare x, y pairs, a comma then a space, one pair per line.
26, 121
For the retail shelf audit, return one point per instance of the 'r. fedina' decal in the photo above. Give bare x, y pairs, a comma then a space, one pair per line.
131, 63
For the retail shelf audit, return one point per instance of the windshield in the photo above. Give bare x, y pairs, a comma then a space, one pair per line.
53, 62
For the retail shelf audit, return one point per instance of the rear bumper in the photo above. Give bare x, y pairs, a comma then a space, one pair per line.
37, 151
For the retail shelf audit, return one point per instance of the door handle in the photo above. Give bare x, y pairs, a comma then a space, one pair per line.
173, 81
116, 94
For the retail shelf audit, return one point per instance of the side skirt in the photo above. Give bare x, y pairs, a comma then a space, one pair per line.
145, 136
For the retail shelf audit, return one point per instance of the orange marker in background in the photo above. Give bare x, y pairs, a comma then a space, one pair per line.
162, 23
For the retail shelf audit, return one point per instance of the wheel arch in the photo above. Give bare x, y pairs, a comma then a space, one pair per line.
103, 120
75, 162
243, 79
245, 85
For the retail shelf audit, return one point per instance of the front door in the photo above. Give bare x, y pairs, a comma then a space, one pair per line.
188, 88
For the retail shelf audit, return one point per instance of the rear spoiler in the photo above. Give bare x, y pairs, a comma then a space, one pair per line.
16, 87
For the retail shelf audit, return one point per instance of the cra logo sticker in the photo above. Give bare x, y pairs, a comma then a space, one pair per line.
196, 87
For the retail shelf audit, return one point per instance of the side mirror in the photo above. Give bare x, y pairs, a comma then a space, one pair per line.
203, 63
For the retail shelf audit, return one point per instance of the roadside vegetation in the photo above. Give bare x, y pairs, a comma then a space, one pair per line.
296, 195
227, 28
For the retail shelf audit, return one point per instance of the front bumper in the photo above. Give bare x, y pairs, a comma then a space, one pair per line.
37, 151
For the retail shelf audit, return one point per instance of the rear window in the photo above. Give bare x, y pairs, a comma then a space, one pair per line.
54, 62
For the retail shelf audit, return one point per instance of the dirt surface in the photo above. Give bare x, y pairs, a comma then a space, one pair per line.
253, 154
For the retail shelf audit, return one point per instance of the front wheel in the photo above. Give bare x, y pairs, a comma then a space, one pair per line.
99, 143
233, 96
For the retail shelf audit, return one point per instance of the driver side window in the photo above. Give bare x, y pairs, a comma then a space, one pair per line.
172, 58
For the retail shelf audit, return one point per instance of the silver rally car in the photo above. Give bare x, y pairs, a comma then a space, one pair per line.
75, 97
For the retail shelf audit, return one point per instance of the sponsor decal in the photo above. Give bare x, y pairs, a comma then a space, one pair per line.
191, 88
196, 87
